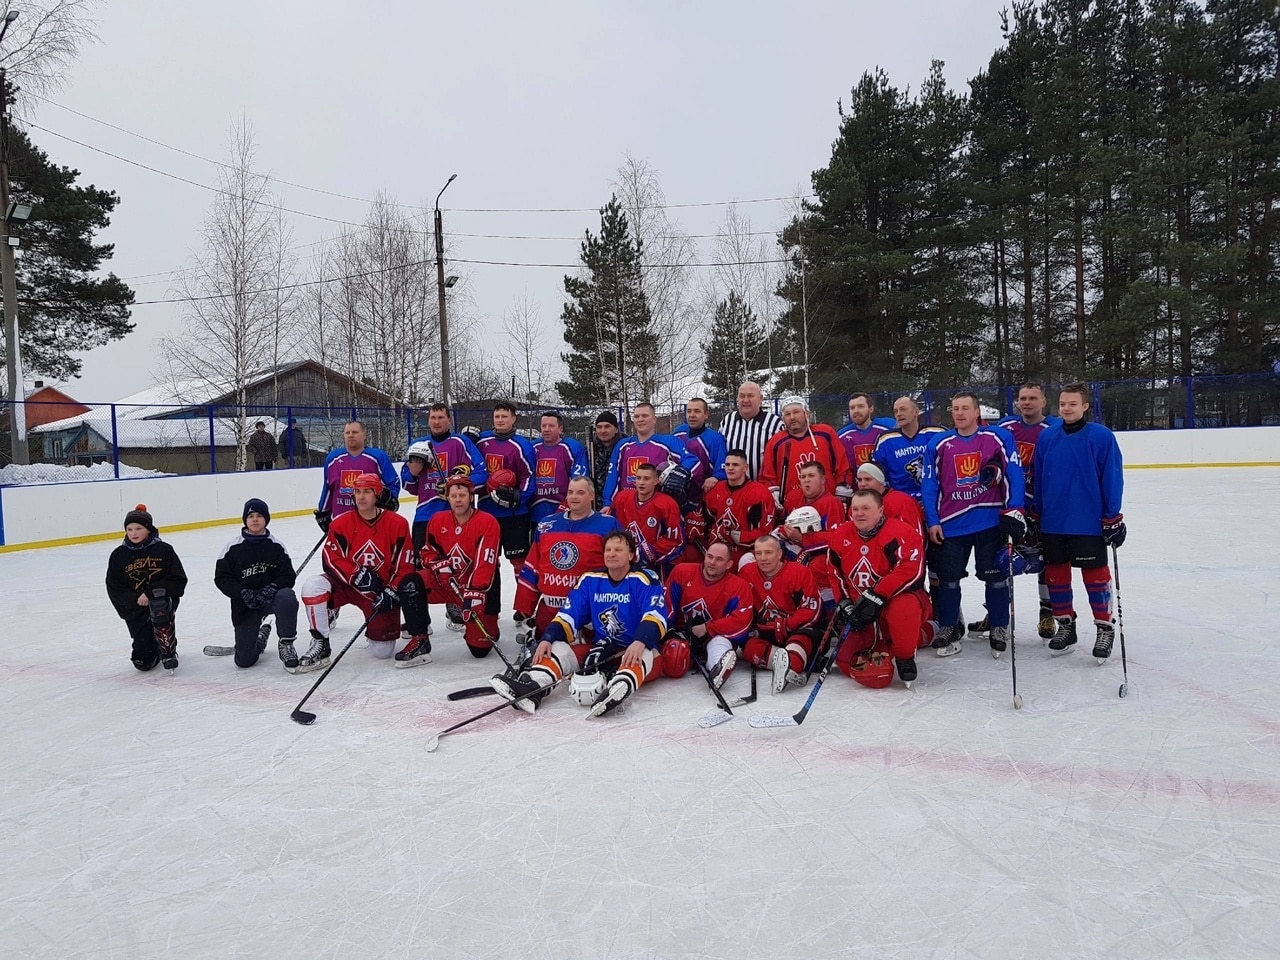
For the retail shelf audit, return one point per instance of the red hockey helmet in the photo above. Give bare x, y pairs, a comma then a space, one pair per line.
458, 480
501, 478
676, 658
873, 669
367, 481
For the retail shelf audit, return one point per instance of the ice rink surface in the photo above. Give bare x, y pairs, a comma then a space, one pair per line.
149, 815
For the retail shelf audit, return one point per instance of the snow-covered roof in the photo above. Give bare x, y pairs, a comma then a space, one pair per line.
148, 433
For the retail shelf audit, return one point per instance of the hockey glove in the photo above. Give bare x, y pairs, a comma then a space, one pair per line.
250, 598
673, 480
1113, 531
267, 595
323, 519
472, 603
388, 500
1012, 525
524, 629
846, 612
866, 610
367, 581
591, 663
471, 433
506, 497
387, 599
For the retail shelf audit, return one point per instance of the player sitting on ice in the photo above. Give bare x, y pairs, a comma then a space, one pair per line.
710, 611
877, 566
368, 563
787, 614
625, 609
255, 571
460, 565
145, 579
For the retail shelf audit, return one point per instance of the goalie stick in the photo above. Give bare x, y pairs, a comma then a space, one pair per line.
798, 719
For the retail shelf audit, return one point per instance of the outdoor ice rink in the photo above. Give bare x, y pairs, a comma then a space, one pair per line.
186, 816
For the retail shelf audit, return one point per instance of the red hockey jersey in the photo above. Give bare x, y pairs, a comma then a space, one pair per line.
889, 562
784, 455
655, 524
724, 606
382, 544
786, 601
747, 510
467, 552
563, 550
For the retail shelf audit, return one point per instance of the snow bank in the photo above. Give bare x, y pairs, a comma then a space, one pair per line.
16, 475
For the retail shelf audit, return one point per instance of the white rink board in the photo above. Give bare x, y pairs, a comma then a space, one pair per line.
1189, 447
150, 816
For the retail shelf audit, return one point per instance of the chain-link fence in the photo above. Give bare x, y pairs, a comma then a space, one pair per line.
115, 440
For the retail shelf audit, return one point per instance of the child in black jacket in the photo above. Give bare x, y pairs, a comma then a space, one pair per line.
145, 580
255, 571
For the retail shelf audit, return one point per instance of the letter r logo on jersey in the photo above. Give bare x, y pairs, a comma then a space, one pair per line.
967, 466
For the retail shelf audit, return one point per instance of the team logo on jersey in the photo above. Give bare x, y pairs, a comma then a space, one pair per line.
442, 459
809, 456
862, 454
915, 469
634, 464
564, 555
1026, 452
696, 610
611, 623
369, 555
863, 576
652, 522
966, 466
348, 478
458, 559
494, 462
769, 610
546, 468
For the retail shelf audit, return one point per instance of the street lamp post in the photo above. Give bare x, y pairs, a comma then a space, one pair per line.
440, 287
9, 285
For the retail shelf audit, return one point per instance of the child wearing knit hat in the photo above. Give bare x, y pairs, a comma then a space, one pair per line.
145, 581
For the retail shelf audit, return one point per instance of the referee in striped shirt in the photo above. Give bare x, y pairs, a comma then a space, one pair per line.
750, 426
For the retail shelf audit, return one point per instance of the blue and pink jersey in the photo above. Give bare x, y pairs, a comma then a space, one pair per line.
659, 450
969, 480
555, 464
710, 448
342, 468
1026, 436
452, 450
859, 444
513, 453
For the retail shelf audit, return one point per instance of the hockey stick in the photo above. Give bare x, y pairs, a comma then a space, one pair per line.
1013, 643
798, 719
307, 558
715, 719
434, 740
302, 716
822, 648
470, 693
1124, 662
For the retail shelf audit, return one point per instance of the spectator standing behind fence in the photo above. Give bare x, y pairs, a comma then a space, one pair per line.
262, 447
607, 435
293, 445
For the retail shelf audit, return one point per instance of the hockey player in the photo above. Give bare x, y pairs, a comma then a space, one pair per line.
343, 466
664, 450
431, 460
145, 581
749, 426
709, 447
653, 520
1079, 486
972, 494
255, 572
784, 598
897, 504
1027, 427
557, 460
878, 569
624, 608
605, 438
565, 546
460, 567
900, 453
739, 509
710, 610
509, 503
368, 563
799, 443
809, 545
860, 434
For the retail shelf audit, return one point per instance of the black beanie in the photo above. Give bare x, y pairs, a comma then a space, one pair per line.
139, 515
608, 416
254, 505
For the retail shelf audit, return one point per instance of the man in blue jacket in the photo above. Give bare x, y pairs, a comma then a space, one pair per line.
1079, 485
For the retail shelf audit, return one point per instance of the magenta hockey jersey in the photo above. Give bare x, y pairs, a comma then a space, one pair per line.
659, 450
342, 468
554, 465
1026, 436
513, 453
969, 480
452, 451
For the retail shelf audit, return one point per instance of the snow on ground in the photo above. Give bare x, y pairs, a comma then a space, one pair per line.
18, 474
186, 816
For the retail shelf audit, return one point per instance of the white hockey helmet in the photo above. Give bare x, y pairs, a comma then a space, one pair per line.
585, 687
805, 519
422, 450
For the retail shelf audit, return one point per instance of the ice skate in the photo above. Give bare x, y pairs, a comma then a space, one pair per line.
264, 634
1047, 625
906, 671
1064, 636
979, 629
999, 641
780, 664
947, 642
719, 673
453, 617
288, 654
415, 653
1105, 639
619, 688
316, 658
524, 691
168, 645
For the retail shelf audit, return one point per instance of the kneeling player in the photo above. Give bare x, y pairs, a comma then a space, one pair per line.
878, 574
367, 560
625, 609
460, 564
145, 579
255, 572
710, 610
787, 610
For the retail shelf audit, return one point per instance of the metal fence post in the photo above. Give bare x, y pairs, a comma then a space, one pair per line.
288, 432
1096, 389
213, 445
115, 444
1190, 383
408, 426
1009, 408
928, 406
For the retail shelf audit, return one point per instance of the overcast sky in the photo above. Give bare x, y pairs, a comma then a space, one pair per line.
533, 105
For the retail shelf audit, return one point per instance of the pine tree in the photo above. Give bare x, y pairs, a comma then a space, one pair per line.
63, 308
732, 350
607, 324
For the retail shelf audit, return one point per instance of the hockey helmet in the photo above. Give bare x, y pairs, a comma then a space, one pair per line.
458, 480
421, 450
676, 658
586, 687
805, 519
501, 478
874, 669
367, 481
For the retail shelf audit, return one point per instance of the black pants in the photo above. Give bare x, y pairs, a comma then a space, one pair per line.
146, 652
285, 609
262, 464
